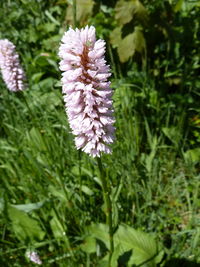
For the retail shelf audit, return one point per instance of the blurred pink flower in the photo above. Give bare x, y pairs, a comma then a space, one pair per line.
12, 73
86, 90
33, 256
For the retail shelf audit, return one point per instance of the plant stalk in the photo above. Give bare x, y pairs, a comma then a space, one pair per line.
108, 204
74, 13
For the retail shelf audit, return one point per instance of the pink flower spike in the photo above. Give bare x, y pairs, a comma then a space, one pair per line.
12, 73
86, 90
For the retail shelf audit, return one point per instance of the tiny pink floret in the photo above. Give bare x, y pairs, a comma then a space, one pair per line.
86, 90
12, 73
34, 257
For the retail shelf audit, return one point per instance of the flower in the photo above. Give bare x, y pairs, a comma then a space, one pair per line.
87, 93
33, 256
12, 73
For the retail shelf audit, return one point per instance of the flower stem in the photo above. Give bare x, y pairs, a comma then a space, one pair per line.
108, 204
74, 13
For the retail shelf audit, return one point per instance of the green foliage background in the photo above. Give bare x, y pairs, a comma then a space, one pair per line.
50, 194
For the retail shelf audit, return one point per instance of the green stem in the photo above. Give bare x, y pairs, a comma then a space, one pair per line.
74, 13
108, 204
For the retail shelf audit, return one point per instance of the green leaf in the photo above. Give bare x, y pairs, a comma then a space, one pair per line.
35, 138
2, 203
115, 37
142, 244
89, 245
125, 11
87, 190
115, 256
132, 43
29, 207
50, 99
99, 231
37, 77
57, 228
172, 133
126, 48
83, 11
192, 155
24, 227
178, 5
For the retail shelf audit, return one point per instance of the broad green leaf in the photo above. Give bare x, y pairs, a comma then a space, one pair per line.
50, 99
193, 155
125, 11
89, 245
132, 43
143, 245
24, 227
115, 37
29, 207
126, 48
99, 231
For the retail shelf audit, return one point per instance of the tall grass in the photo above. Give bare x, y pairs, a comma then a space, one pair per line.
153, 187
50, 193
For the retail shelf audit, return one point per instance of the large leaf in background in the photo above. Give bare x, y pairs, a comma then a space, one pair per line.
192, 155
83, 11
132, 43
24, 227
125, 11
115, 36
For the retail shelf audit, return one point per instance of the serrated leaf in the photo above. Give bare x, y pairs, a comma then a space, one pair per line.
24, 227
